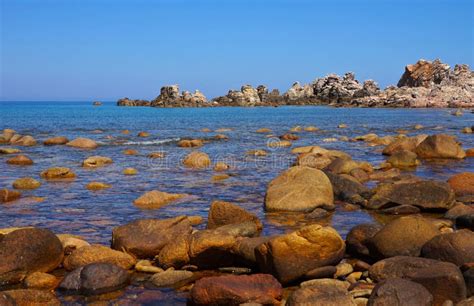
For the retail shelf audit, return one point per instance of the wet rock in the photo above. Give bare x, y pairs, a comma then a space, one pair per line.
343, 269
442, 279
457, 247
169, 278
143, 134
299, 189
20, 160
197, 160
41, 280
7, 195
244, 248
30, 297
400, 210
399, 292
403, 159
342, 166
58, 173
26, 183
147, 267
321, 294
385, 175
427, 195
466, 302
358, 237
313, 160
465, 221
82, 143
97, 253
190, 143
54, 141
317, 213
156, 199
130, 171
224, 213
469, 152
221, 166
459, 209
140, 237
22, 140
321, 272
70, 242
96, 161
402, 236
263, 130
28, 250
288, 257
279, 144
98, 186
404, 144
440, 146
9, 151
349, 190
257, 153
462, 184
156, 155
237, 290
95, 278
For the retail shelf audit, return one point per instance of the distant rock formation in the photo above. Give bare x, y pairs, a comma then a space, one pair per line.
423, 84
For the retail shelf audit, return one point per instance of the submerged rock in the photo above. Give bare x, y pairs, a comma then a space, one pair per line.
224, 213
54, 141
156, 199
58, 173
7, 195
169, 278
20, 160
197, 160
82, 143
96, 161
26, 183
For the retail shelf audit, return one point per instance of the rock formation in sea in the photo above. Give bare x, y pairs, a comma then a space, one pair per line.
423, 84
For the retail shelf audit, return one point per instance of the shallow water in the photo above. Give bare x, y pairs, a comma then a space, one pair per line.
70, 208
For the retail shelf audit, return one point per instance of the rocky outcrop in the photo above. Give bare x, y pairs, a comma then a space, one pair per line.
130, 102
248, 96
170, 97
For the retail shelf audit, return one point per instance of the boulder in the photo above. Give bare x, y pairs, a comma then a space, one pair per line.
26, 183
358, 237
146, 238
7, 195
170, 277
404, 144
244, 248
288, 257
190, 143
59, 140
28, 250
321, 294
462, 184
9, 151
459, 209
399, 292
20, 160
237, 290
221, 166
440, 146
457, 247
156, 199
41, 280
348, 189
96, 161
130, 171
82, 143
58, 173
299, 189
442, 279
29, 297
26, 141
402, 236
224, 213
95, 278
97, 186
197, 160
403, 159
97, 253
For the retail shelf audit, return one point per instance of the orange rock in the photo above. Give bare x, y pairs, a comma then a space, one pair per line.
462, 183
21, 160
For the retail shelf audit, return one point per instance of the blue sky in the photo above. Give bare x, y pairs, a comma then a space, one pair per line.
76, 50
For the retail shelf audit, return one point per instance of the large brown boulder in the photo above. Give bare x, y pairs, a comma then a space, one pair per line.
427, 195
321, 294
440, 146
299, 189
224, 213
402, 236
98, 253
157, 199
197, 160
28, 250
399, 292
348, 189
403, 144
145, 238
443, 280
290, 256
82, 143
358, 237
457, 247
237, 289
54, 141
96, 161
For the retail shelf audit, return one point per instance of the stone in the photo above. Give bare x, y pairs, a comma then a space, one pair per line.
190, 143
403, 159
26, 183
424, 74
313, 160
29, 297
237, 290
244, 248
156, 155
23, 140
98, 186
41, 280
28, 250
54, 141
224, 213
348, 189
440, 146
82, 143
20, 160
155, 199
143, 134
427, 195
96, 161
197, 160
400, 210
9, 151
321, 294
257, 153
299, 189
358, 237
140, 237
221, 166
443, 280
57, 173
402, 236
147, 267
263, 130
343, 269
94, 279
399, 292
462, 183
289, 257
321, 272
7, 195
130, 171
457, 247
459, 209
130, 152
71, 243
317, 213
169, 278
97, 253
404, 144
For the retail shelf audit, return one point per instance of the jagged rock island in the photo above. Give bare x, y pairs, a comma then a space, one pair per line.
424, 84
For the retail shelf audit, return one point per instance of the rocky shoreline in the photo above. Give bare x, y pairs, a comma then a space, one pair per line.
424, 84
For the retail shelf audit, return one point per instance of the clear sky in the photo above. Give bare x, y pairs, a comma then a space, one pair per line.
76, 50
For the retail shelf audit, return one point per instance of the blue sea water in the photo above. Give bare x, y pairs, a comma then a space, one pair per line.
71, 208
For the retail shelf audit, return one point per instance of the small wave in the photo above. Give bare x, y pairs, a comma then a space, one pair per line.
151, 142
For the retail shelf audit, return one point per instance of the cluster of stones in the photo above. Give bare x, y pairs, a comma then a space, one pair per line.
424, 84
